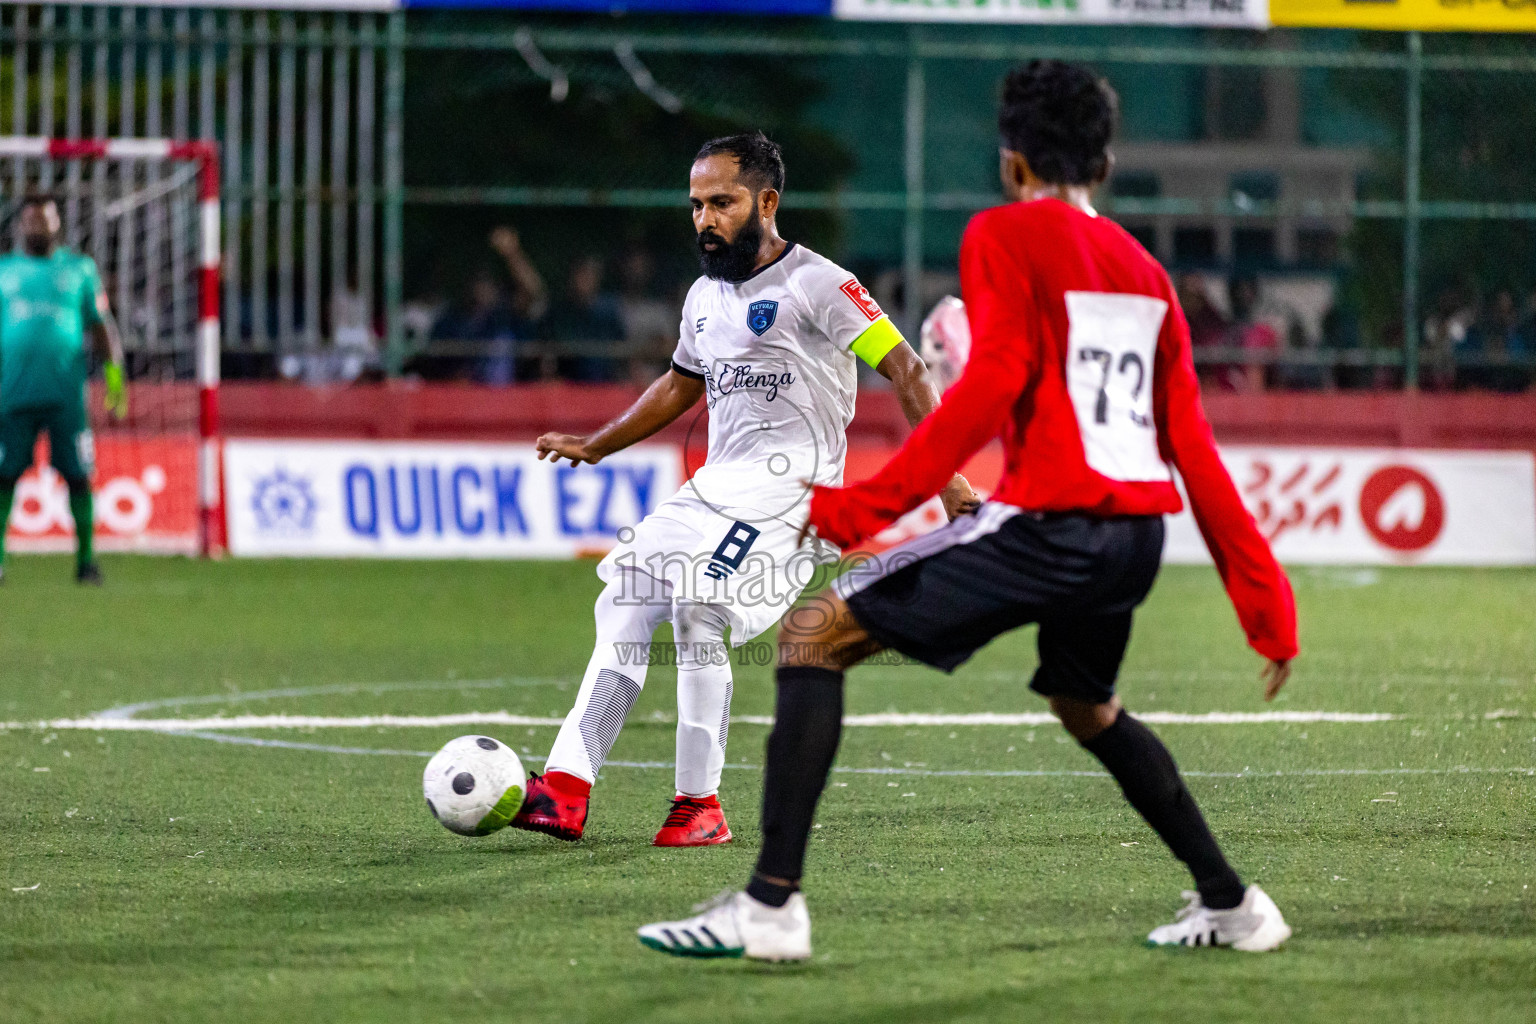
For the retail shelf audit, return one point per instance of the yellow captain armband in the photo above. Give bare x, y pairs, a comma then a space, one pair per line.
877, 341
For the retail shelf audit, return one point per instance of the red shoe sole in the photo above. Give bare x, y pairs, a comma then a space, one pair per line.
546, 827
711, 840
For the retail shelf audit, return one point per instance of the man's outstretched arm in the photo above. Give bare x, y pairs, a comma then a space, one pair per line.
918, 396
668, 397
108, 343
1253, 579
999, 369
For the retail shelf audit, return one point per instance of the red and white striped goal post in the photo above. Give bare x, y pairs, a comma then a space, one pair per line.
205, 155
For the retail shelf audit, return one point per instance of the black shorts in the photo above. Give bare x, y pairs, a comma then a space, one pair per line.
942, 597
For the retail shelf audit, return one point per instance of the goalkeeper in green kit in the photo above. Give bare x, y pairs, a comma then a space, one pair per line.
49, 298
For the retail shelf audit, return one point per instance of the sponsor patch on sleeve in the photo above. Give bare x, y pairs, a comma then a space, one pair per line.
861, 298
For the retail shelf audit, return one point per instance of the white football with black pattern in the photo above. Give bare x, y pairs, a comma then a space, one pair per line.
474, 785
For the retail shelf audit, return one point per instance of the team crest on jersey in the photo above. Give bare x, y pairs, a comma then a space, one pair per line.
761, 315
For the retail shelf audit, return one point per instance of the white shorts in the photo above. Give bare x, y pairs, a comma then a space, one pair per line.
742, 558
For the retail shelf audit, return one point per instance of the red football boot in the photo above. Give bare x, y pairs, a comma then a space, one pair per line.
694, 821
556, 805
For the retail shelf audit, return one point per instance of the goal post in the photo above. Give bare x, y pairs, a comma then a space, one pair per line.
147, 211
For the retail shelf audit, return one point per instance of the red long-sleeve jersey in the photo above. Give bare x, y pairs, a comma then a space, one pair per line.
1080, 359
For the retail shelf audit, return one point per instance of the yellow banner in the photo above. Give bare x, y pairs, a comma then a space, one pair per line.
1403, 15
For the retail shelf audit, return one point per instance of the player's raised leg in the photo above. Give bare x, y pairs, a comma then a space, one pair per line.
1221, 909
703, 722
818, 641
627, 613
1080, 657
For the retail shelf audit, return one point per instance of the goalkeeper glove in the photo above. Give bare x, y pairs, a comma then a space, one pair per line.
117, 391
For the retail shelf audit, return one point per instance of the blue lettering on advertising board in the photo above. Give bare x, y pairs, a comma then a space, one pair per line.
569, 498
470, 501
462, 476
402, 527
362, 501
437, 504
509, 514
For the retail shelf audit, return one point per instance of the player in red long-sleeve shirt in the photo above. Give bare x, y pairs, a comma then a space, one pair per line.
1080, 361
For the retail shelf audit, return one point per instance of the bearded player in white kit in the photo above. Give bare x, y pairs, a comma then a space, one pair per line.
769, 337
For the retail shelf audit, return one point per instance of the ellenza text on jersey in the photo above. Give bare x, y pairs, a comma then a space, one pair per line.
727, 379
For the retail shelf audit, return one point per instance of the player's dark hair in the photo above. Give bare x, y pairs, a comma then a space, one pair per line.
758, 158
37, 199
1060, 117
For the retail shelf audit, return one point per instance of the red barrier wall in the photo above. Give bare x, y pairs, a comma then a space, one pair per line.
400, 410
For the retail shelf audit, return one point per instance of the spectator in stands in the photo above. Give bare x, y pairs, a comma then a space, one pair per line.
1250, 333
1496, 348
530, 298
650, 321
1341, 333
1303, 369
1444, 334
1528, 322
476, 338
354, 334
419, 314
586, 317
1207, 325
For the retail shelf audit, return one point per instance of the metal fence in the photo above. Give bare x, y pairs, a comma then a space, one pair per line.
330, 156
301, 108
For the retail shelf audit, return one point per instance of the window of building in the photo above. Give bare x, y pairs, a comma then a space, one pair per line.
1194, 245
1135, 185
1235, 107
1251, 189
1253, 246
1317, 247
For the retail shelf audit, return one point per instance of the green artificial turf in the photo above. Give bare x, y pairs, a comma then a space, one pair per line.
182, 879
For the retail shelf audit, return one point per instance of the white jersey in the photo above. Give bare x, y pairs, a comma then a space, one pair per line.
776, 355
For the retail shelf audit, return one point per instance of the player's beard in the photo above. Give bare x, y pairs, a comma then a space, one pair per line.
734, 260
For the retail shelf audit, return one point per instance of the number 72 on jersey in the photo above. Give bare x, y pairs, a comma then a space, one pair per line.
1111, 356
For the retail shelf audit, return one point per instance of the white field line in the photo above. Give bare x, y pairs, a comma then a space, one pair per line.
887, 719
935, 773
332, 689
121, 719
892, 770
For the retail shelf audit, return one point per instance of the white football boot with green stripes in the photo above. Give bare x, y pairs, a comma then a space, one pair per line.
1253, 926
735, 924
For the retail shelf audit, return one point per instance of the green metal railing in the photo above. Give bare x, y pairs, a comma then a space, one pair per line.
315, 137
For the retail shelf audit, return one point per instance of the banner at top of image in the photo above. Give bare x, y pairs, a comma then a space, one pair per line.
811, 8
255, 5
1223, 13
1408, 15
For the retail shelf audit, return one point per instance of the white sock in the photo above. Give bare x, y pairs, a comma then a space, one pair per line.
627, 612
703, 696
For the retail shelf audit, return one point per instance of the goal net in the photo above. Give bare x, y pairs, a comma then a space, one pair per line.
146, 210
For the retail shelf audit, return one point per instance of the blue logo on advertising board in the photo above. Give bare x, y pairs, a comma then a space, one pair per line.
284, 503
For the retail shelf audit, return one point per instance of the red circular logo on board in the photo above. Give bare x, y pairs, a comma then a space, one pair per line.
1389, 500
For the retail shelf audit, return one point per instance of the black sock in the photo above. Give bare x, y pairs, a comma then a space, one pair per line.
1150, 781
771, 893
807, 723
